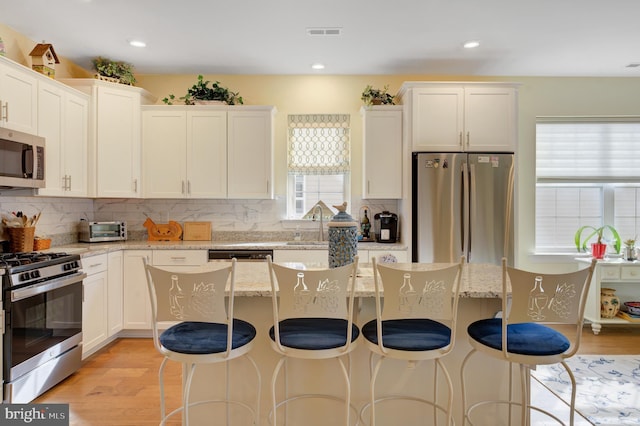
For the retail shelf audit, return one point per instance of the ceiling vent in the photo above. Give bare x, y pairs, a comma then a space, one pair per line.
324, 31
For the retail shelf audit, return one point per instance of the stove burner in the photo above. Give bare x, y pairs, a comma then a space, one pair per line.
27, 258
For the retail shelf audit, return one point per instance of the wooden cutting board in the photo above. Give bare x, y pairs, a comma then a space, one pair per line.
171, 231
197, 231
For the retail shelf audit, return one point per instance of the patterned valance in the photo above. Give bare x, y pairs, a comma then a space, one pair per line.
318, 144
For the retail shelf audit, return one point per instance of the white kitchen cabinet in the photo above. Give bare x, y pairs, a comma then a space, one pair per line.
313, 255
18, 97
382, 152
250, 152
185, 152
94, 305
114, 137
478, 117
115, 293
623, 277
136, 305
366, 256
208, 151
63, 121
172, 259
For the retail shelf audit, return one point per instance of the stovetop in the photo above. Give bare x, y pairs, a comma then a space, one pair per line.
33, 267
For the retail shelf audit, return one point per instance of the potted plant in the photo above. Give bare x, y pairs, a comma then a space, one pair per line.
598, 248
115, 71
372, 96
201, 91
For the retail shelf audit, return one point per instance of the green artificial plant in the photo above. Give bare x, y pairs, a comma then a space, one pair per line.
581, 244
202, 91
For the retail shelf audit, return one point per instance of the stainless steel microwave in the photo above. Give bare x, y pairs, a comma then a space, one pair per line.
21, 160
95, 232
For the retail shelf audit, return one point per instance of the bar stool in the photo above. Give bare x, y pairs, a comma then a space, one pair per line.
526, 334
312, 320
206, 332
416, 321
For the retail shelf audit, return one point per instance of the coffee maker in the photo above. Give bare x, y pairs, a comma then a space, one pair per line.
386, 227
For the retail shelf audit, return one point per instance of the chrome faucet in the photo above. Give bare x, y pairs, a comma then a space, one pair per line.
321, 231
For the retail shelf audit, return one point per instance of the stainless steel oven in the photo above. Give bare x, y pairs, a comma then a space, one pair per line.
42, 343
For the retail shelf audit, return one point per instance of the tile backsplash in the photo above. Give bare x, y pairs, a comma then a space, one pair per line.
246, 220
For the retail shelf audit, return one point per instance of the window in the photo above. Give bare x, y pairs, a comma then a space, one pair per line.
318, 161
587, 173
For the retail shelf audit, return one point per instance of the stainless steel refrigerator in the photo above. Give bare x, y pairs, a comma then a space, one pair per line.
463, 206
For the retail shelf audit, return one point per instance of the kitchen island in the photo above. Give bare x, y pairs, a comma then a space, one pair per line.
480, 288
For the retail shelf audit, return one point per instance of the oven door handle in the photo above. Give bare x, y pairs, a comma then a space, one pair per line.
25, 292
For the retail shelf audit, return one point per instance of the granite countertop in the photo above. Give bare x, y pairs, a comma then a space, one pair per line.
252, 278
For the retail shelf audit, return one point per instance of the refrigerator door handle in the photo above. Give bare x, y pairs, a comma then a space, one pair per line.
464, 205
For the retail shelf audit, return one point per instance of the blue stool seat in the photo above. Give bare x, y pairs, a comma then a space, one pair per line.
314, 333
523, 338
415, 334
191, 337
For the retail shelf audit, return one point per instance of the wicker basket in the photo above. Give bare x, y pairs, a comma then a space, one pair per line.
41, 244
21, 239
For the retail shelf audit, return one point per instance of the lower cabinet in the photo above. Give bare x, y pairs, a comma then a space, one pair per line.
136, 305
94, 306
114, 293
321, 256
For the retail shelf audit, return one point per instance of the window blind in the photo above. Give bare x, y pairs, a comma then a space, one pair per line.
588, 151
318, 144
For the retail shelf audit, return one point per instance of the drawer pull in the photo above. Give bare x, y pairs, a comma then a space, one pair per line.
178, 258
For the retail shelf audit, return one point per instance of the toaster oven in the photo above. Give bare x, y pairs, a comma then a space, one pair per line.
94, 232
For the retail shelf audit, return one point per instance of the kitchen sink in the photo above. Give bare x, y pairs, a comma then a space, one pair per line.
307, 243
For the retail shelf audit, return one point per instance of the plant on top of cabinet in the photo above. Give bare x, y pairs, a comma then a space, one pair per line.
115, 71
201, 91
581, 244
372, 96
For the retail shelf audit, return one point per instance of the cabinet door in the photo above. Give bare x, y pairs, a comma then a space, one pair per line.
50, 124
250, 162
74, 147
94, 305
207, 154
118, 143
490, 120
18, 98
437, 119
164, 147
137, 308
382, 160
114, 293
314, 256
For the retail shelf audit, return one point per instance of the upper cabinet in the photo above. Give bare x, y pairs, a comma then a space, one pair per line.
114, 137
18, 97
478, 117
208, 151
184, 152
250, 152
382, 152
62, 121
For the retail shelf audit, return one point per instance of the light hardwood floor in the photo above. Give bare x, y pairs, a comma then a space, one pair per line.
119, 384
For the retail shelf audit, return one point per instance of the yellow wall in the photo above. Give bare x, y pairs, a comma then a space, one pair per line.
538, 96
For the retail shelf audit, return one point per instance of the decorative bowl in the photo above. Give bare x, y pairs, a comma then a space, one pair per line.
633, 307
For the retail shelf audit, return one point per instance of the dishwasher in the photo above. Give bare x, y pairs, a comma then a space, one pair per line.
251, 265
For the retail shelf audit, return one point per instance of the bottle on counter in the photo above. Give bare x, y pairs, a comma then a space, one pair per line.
365, 226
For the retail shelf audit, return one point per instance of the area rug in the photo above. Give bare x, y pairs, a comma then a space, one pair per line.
608, 387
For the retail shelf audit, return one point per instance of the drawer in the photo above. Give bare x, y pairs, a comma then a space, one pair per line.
630, 273
179, 257
609, 273
95, 264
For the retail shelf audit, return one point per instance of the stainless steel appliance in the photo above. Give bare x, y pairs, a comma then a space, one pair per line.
463, 206
385, 227
241, 255
21, 160
42, 301
93, 232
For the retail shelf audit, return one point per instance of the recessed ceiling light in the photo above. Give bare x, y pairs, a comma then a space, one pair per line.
471, 44
137, 43
317, 66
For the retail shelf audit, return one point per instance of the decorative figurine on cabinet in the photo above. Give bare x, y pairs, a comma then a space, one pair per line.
44, 59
